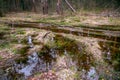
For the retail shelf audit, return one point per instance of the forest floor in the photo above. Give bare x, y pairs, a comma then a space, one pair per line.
83, 18
92, 36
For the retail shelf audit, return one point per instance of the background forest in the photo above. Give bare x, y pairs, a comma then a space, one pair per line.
36, 5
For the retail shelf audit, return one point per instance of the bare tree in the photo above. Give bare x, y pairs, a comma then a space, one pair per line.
1, 8
34, 6
1, 13
44, 6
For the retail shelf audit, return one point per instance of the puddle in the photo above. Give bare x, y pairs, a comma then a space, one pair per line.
45, 60
30, 41
91, 74
31, 63
63, 54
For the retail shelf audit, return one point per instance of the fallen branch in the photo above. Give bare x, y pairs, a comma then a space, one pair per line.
46, 34
70, 6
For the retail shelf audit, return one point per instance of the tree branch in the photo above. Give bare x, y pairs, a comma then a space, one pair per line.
70, 6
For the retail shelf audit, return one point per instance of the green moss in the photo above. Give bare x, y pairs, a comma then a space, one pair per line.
20, 32
62, 42
22, 60
75, 21
44, 50
0, 58
4, 45
116, 60
55, 21
21, 51
76, 50
24, 41
103, 27
4, 28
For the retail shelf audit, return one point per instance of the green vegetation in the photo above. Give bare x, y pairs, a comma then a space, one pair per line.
0, 58
77, 21
61, 43
70, 37
22, 51
76, 50
9, 37
116, 60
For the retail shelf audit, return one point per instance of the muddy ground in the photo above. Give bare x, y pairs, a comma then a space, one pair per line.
51, 48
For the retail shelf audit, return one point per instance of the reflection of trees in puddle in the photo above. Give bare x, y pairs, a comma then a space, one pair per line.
48, 58
65, 54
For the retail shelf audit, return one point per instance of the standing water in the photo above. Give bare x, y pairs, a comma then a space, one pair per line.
30, 41
27, 69
67, 55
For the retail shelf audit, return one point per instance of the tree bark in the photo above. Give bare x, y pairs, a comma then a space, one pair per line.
1, 13
45, 6
59, 7
1, 8
34, 6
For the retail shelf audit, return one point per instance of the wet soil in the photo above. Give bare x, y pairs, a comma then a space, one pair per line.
63, 58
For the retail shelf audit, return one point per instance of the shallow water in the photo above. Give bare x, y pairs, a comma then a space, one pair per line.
71, 52
46, 59
27, 69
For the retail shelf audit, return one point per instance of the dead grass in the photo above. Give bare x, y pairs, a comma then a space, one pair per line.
82, 17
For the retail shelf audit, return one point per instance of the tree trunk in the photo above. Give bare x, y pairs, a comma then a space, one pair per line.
1, 13
34, 6
59, 7
45, 6
1, 8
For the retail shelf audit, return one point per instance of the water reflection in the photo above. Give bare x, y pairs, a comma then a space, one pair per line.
30, 41
92, 74
71, 54
27, 69
46, 59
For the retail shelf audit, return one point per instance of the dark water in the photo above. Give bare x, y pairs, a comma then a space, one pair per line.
45, 60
